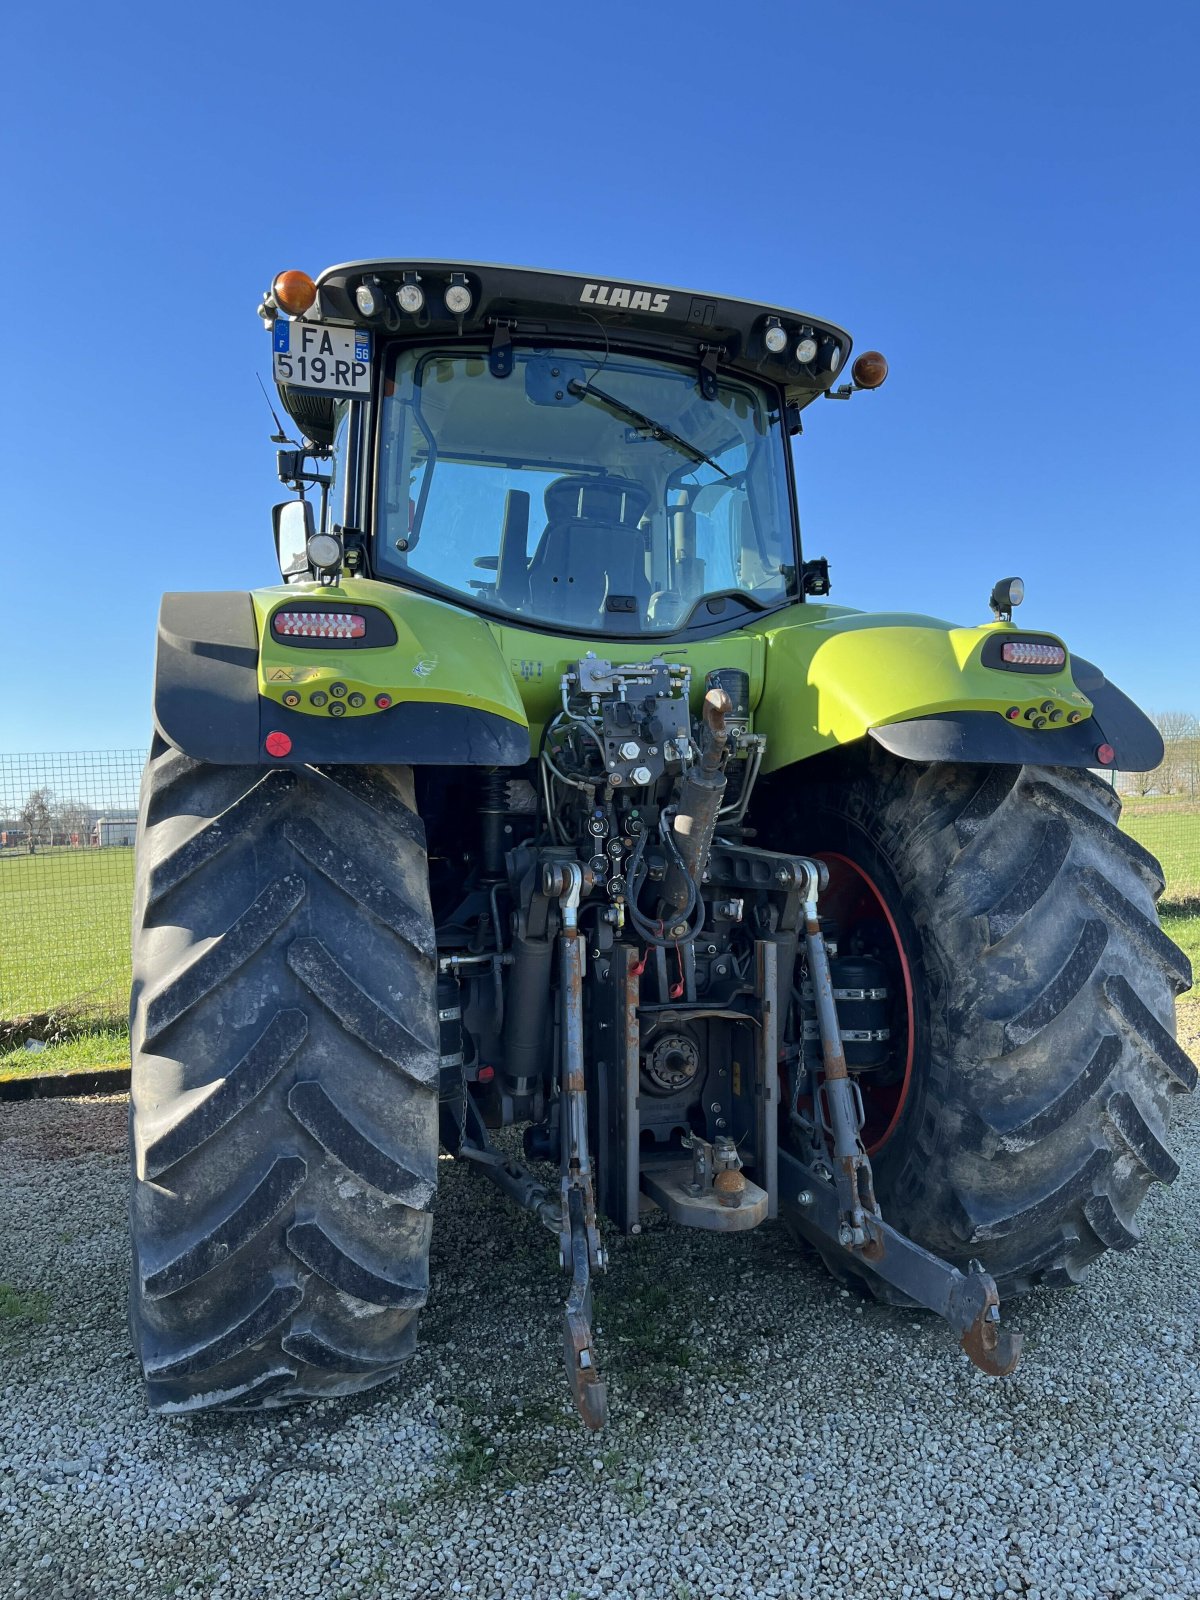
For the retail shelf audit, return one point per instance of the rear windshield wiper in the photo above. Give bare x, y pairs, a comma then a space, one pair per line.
654, 429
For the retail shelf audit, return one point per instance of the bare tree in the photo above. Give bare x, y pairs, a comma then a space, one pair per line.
71, 817
36, 818
1184, 746
1176, 775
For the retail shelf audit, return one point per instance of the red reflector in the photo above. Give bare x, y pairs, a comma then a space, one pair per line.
278, 744
1105, 755
318, 625
486, 1074
383, 701
1024, 653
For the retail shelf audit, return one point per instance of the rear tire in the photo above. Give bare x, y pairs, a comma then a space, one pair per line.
1045, 1061
284, 1096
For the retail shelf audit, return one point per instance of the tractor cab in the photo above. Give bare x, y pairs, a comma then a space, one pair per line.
568, 454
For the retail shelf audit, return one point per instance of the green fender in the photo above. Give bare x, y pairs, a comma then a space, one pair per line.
424, 683
928, 690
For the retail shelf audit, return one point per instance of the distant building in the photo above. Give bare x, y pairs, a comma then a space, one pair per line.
114, 830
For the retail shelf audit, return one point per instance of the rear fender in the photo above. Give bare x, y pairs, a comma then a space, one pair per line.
929, 691
426, 684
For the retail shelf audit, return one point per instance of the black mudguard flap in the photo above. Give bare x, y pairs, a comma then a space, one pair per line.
206, 676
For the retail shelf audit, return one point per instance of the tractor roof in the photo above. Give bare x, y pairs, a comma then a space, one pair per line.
534, 303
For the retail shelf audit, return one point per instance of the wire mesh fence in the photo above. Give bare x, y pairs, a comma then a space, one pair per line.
67, 825
1169, 827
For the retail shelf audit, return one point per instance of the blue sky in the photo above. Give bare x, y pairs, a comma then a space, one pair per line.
1003, 198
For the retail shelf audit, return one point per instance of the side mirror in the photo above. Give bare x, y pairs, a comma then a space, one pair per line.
295, 525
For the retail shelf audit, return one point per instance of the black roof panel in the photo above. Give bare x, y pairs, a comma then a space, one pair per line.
536, 302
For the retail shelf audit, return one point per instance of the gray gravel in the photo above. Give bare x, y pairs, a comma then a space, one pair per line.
771, 1435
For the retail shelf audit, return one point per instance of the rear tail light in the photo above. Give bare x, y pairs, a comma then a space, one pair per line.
318, 625
1025, 653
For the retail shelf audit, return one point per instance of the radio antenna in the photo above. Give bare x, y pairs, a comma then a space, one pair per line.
278, 437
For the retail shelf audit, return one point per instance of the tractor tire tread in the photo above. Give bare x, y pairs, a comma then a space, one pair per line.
213, 1242
285, 1082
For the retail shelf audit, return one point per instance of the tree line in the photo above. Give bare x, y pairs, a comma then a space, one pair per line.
43, 818
1179, 771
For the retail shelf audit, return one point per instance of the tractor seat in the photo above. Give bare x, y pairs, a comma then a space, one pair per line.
592, 548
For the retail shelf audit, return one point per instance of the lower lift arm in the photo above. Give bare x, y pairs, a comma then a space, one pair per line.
573, 1218
837, 1205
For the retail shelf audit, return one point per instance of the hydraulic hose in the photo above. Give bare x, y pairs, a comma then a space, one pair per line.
642, 925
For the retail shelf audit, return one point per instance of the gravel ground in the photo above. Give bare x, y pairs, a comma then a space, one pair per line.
771, 1435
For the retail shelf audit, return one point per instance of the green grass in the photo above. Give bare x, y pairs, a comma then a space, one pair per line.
1185, 930
64, 931
25, 1305
1170, 830
82, 1052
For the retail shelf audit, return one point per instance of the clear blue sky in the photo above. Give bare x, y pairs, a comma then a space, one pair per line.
1003, 198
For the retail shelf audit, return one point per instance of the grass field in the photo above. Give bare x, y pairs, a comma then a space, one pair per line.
1172, 833
1170, 830
82, 1052
64, 933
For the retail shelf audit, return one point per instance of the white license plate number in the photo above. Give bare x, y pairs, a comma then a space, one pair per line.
328, 360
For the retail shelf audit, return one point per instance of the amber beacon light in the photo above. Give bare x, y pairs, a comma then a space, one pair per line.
294, 292
869, 370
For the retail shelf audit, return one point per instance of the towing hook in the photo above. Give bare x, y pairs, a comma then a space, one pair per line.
994, 1349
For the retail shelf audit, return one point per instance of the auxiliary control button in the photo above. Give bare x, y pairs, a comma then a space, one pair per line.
338, 690
337, 709
318, 698
357, 700
291, 698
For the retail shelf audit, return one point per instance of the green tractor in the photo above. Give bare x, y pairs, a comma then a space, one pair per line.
549, 788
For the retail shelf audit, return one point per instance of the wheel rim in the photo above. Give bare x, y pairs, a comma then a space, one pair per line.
852, 898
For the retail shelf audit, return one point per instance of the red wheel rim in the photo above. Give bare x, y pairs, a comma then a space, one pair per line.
852, 896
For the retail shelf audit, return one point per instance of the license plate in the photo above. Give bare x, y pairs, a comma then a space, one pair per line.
329, 360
